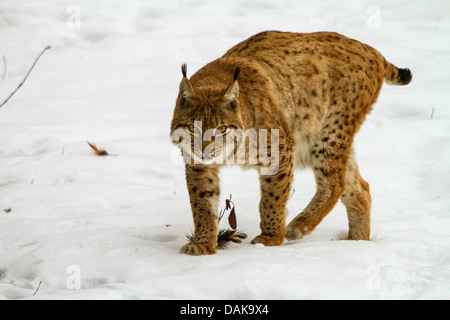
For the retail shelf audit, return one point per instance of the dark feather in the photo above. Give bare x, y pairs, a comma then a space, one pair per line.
190, 237
226, 236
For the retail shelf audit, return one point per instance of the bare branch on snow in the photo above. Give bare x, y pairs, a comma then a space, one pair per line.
23, 81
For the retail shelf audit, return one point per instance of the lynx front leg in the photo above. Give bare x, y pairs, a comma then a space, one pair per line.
204, 189
275, 191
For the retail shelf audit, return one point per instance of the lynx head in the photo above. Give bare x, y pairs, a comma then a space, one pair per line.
203, 118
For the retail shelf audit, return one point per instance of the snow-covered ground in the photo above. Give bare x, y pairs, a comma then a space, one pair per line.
74, 225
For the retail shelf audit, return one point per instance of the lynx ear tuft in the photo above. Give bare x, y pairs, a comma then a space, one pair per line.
184, 69
236, 73
186, 90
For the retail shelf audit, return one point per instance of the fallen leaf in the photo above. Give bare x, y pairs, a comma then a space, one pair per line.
232, 219
97, 151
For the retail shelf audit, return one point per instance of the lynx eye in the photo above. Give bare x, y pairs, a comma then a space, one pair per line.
191, 128
222, 128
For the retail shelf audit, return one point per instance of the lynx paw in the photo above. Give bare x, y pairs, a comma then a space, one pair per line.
295, 232
268, 241
196, 249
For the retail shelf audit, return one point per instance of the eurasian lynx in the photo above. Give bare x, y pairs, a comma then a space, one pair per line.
314, 91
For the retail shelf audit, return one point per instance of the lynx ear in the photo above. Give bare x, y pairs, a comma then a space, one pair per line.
186, 90
232, 93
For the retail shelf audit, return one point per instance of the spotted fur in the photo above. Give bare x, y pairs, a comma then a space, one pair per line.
316, 89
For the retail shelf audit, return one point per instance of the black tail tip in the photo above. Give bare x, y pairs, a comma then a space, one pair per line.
404, 76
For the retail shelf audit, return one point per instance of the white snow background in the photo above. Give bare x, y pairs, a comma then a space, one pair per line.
77, 226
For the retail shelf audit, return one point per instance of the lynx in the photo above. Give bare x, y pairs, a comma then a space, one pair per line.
315, 90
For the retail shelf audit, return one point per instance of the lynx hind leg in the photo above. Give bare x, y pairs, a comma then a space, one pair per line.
358, 201
322, 203
329, 164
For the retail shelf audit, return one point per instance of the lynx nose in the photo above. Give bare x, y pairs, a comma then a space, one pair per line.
209, 154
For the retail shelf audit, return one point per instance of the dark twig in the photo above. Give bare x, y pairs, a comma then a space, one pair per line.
23, 81
40, 282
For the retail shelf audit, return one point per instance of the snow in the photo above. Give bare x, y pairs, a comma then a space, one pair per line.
77, 226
